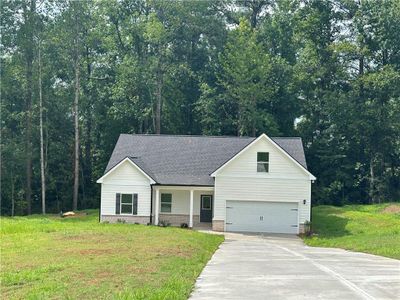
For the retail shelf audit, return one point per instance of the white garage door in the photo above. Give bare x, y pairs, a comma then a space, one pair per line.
256, 216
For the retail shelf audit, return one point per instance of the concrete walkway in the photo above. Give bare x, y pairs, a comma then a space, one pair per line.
282, 267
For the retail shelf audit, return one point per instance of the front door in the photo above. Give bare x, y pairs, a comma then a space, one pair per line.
206, 208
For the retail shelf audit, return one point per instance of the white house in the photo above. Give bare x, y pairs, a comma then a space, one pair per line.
231, 183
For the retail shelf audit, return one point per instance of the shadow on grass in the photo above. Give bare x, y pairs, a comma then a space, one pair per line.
330, 225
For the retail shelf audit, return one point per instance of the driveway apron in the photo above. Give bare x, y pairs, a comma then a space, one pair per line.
282, 267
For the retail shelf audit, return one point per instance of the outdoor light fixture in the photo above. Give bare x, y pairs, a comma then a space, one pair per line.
304, 201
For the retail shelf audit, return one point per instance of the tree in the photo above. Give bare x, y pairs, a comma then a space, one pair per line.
76, 15
327, 71
42, 161
28, 28
246, 82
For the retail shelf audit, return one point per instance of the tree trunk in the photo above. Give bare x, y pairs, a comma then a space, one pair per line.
76, 116
76, 125
372, 181
12, 194
254, 113
89, 121
42, 163
159, 85
29, 22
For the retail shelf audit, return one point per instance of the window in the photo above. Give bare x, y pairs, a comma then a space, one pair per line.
205, 202
263, 162
166, 202
126, 204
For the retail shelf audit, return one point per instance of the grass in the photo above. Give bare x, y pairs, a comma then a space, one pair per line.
372, 229
78, 258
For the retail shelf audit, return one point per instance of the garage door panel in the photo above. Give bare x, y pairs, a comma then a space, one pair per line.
262, 216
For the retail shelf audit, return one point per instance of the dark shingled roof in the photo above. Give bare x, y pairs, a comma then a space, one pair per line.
188, 160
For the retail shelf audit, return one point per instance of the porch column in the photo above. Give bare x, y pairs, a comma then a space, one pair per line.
191, 209
157, 206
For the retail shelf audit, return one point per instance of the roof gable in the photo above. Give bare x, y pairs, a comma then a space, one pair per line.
287, 160
131, 162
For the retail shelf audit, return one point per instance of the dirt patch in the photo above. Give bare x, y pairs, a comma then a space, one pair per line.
86, 236
90, 251
392, 209
96, 251
140, 269
100, 277
71, 214
173, 251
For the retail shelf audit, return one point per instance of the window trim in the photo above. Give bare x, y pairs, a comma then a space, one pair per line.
262, 162
131, 204
161, 203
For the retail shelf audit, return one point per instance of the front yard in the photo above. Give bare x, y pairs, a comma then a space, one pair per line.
78, 258
372, 229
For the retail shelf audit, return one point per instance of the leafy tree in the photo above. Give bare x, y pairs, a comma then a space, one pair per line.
327, 71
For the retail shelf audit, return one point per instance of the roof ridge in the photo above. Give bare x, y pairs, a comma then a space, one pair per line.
206, 136
188, 135
285, 137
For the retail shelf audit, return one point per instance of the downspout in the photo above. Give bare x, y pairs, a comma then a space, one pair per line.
100, 206
151, 205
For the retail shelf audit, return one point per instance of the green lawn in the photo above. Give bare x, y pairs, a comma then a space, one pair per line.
366, 228
78, 258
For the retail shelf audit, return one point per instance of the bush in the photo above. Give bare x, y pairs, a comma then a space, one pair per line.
184, 225
307, 228
164, 223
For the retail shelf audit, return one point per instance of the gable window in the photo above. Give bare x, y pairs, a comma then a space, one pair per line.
126, 204
166, 202
263, 162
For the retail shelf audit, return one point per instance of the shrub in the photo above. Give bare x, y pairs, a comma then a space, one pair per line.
184, 225
164, 223
307, 228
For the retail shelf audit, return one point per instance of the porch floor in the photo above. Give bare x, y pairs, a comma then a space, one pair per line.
203, 226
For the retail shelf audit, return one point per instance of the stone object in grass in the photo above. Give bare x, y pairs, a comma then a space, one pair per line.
68, 214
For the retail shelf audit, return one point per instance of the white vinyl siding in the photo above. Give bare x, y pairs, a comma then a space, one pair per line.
285, 181
126, 179
280, 166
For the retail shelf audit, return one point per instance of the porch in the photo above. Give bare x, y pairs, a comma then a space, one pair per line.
177, 205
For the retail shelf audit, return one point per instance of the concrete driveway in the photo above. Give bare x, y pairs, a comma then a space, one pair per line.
282, 267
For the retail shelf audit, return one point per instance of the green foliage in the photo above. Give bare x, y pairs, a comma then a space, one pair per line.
164, 223
366, 228
328, 71
111, 261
